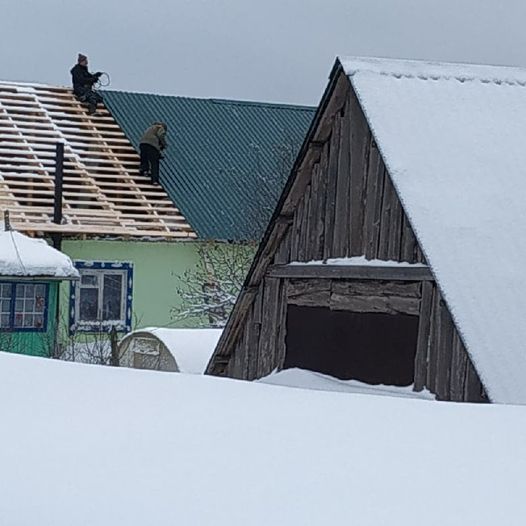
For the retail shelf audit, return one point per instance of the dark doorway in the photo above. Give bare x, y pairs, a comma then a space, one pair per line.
370, 347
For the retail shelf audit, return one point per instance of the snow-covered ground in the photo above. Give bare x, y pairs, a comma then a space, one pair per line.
98, 446
304, 379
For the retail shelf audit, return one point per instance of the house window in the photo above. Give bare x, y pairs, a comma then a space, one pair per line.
23, 306
102, 299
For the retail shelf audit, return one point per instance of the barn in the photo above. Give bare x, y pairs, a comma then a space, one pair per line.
396, 252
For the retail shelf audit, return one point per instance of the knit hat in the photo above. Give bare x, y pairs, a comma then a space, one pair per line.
81, 58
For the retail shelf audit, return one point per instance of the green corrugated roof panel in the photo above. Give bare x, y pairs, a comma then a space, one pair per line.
226, 161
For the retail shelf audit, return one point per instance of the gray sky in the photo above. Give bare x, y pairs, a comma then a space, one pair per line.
270, 50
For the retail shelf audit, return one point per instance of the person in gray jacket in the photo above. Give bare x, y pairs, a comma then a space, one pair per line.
153, 142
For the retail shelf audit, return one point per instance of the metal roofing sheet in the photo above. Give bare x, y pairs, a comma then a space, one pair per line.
226, 161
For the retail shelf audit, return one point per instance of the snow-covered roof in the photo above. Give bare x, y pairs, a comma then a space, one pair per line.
191, 348
124, 446
24, 256
453, 138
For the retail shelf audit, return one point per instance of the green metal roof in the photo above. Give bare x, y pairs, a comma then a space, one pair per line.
226, 162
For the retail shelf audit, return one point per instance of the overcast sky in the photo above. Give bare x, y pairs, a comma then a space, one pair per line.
270, 50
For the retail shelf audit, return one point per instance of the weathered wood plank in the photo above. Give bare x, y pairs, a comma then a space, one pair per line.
433, 340
232, 331
301, 179
282, 325
422, 345
388, 202
253, 342
311, 251
342, 207
395, 230
304, 226
444, 354
319, 222
242, 350
282, 225
373, 201
327, 271
473, 391
267, 341
332, 174
409, 243
315, 293
378, 304
295, 233
283, 254
407, 289
459, 364
334, 104
420, 258
360, 142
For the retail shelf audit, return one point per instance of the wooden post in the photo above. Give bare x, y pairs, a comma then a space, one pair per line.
57, 203
57, 236
7, 221
114, 360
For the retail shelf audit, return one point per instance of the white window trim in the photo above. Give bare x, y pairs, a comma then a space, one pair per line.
101, 268
100, 290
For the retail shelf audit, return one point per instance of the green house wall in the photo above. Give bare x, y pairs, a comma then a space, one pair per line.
156, 266
34, 343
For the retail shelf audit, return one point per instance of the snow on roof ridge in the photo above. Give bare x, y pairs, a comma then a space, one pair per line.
19, 83
428, 70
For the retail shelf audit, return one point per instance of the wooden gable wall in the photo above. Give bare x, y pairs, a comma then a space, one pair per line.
342, 203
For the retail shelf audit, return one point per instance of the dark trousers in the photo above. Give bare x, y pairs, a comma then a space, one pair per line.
150, 161
89, 97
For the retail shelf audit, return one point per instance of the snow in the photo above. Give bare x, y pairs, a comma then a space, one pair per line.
455, 150
426, 70
191, 348
105, 446
360, 261
24, 256
19, 84
304, 379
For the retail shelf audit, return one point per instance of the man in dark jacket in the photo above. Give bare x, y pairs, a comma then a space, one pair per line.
83, 82
153, 142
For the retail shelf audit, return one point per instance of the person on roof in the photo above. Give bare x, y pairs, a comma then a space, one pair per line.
83, 82
153, 142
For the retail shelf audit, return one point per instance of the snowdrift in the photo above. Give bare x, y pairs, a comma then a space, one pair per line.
100, 446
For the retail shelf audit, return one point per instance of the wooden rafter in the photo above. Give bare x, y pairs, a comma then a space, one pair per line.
103, 191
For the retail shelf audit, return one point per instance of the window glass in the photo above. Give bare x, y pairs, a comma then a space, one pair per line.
30, 303
5, 305
90, 280
112, 297
88, 304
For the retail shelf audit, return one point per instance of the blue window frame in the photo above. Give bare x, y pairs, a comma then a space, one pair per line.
23, 306
102, 298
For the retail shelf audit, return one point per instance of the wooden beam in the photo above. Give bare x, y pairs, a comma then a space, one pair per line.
327, 271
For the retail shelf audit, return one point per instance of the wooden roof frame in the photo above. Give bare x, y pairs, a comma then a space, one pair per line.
104, 195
